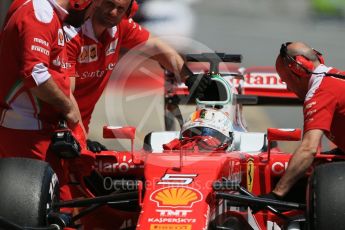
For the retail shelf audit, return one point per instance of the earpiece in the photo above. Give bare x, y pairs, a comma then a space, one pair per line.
300, 65
79, 5
128, 13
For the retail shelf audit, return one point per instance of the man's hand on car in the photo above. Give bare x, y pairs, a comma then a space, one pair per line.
95, 146
197, 85
72, 117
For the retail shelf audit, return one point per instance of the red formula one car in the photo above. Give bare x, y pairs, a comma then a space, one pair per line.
206, 176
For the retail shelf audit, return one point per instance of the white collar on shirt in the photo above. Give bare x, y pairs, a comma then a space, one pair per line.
62, 13
87, 30
112, 31
316, 79
319, 72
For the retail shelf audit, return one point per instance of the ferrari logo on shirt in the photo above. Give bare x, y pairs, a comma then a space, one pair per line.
88, 54
61, 39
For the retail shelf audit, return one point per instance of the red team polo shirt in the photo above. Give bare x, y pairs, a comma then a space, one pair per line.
32, 50
324, 106
93, 60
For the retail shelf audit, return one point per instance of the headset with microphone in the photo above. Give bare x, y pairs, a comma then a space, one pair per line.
301, 65
129, 10
80, 5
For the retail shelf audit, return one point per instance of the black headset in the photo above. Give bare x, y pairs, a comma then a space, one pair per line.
129, 8
301, 65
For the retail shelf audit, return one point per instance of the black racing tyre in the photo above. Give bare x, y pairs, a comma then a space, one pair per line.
27, 189
226, 221
325, 198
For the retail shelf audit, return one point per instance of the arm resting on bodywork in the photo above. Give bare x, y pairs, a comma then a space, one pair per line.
300, 161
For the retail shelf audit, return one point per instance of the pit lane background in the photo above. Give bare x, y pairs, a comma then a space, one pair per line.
253, 28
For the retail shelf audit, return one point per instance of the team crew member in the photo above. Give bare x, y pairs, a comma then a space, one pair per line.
322, 90
93, 51
35, 89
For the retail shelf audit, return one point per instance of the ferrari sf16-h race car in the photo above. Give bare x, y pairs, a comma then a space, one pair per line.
208, 175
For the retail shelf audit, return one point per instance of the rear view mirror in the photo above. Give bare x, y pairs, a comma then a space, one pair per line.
118, 132
274, 134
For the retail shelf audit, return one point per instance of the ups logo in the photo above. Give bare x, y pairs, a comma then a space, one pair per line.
93, 53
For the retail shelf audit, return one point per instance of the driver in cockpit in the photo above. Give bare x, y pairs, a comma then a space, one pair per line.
210, 127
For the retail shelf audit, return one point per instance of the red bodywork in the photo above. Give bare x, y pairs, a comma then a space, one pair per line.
178, 192
176, 188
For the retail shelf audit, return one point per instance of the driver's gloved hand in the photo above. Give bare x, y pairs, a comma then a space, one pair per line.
270, 195
197, 85
95, 146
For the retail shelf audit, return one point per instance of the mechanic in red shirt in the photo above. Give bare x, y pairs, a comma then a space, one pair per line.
35, 89
322, 89
93, 52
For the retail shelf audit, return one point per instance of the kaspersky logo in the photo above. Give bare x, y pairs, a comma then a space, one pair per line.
176, 197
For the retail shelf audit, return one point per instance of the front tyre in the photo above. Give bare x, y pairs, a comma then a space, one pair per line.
27, 189
325, 198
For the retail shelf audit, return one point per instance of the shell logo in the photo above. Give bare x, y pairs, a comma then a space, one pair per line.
83, 54
176, 197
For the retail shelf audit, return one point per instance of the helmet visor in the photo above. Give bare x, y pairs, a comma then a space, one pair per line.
206, 131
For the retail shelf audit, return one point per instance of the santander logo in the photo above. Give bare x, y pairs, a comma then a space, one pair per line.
261, 80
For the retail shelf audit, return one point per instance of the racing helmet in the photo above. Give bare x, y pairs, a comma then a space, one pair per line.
79, 4
209, 122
